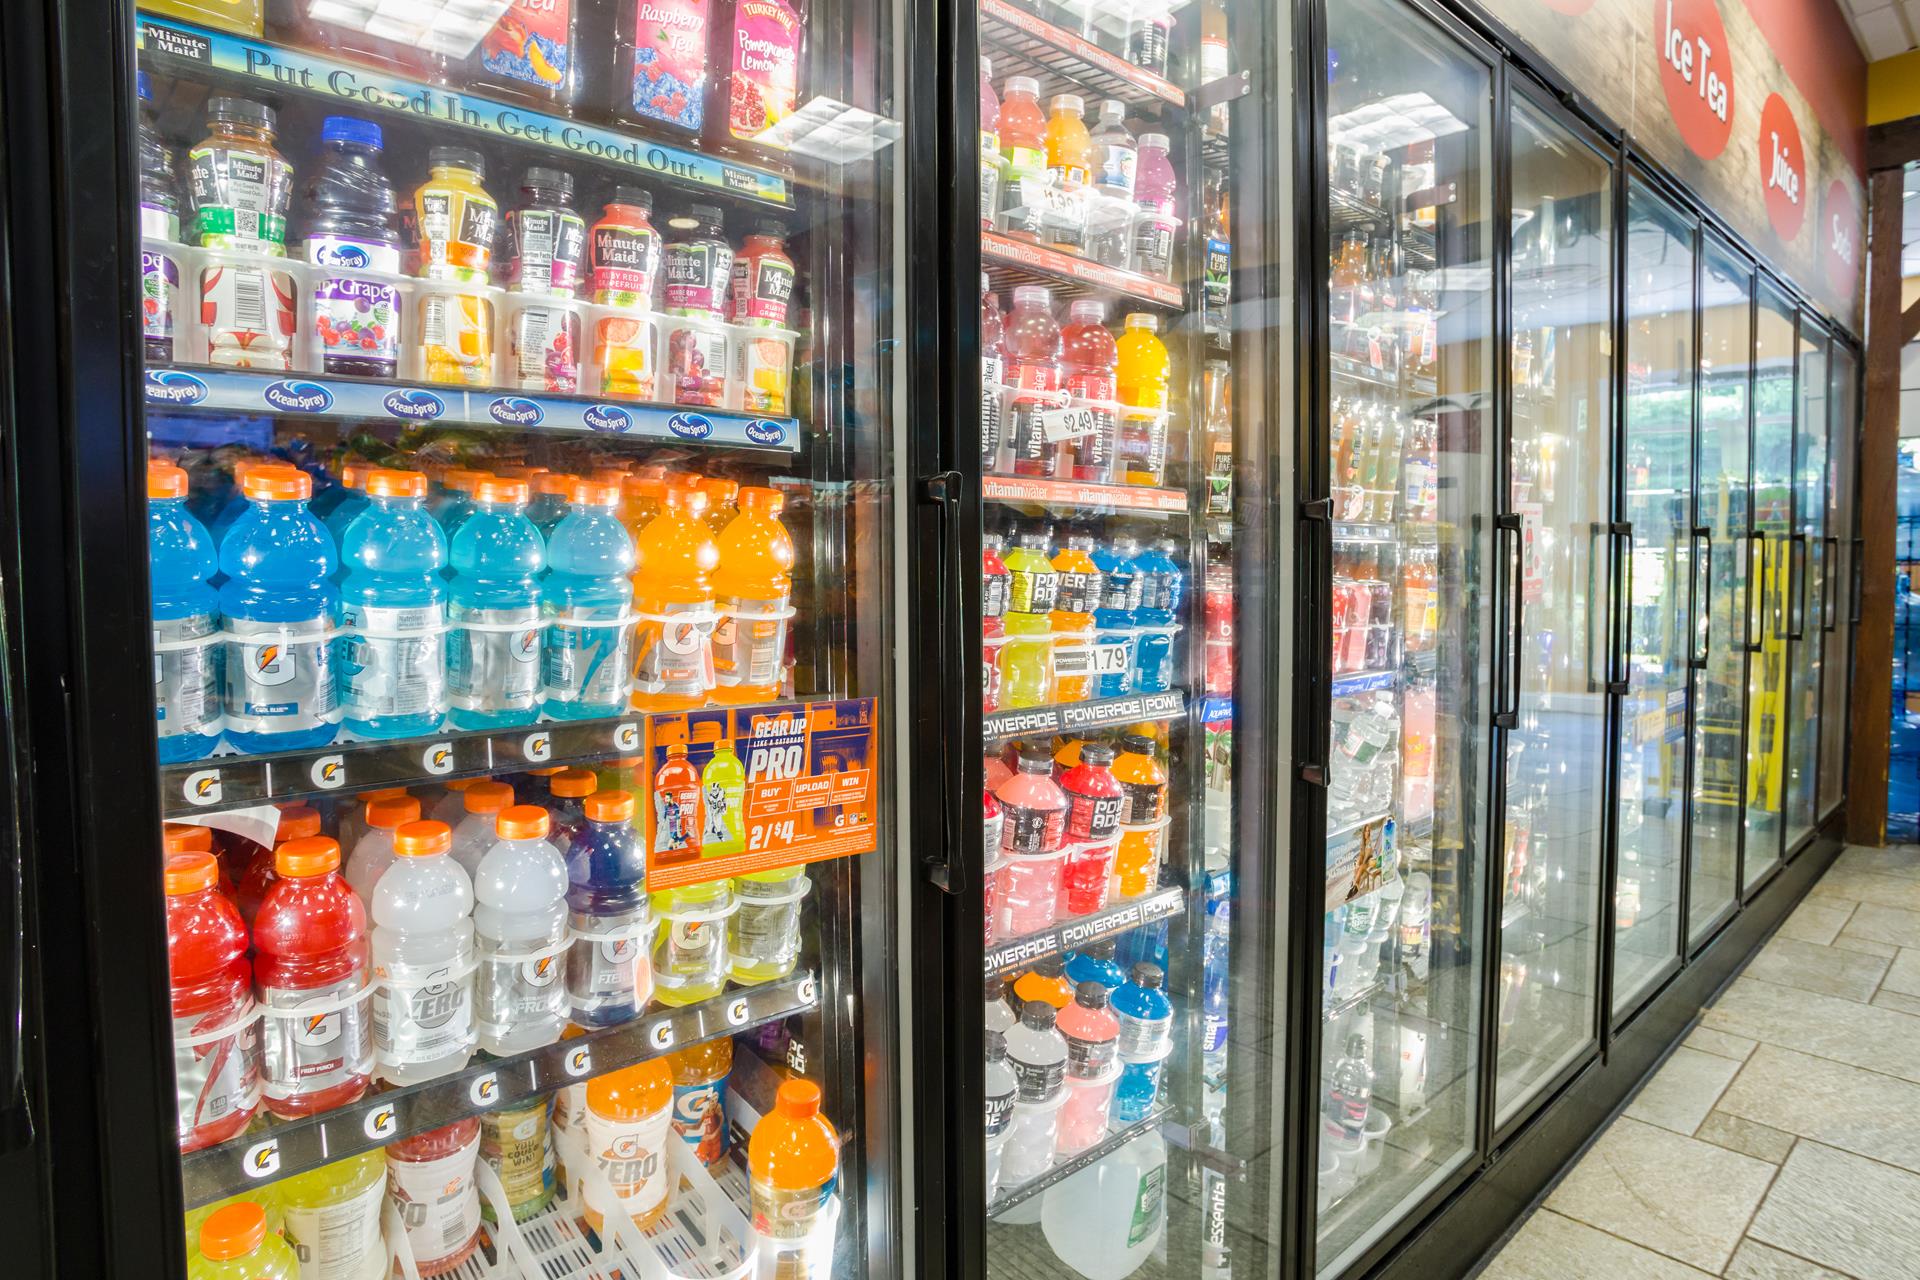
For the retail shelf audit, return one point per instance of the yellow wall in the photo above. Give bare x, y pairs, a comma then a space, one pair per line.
1893, 88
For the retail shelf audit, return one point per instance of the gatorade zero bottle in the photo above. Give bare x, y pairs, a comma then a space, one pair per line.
311, 973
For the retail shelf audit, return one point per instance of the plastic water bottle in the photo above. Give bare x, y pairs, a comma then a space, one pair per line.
1146, 1038
1037, 1053
1163, 588
278, 608
520, 921
1349, 1093
186, 621
393, 672
1110, 1217
476, 833
586, 598
493, 609
609, 969
1001, 1088
423, 953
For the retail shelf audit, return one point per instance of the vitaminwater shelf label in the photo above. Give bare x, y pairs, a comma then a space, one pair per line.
810, 787
283, 71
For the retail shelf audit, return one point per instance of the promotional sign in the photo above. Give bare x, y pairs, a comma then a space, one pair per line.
730, 790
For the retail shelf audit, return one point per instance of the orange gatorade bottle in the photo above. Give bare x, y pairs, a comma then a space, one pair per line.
673, 595
628, 1125
699, 1097
792, 1162
751, 590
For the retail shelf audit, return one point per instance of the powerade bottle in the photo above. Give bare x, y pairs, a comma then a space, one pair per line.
609, 969
159, 220
1146, 1037
493, 611
186, 621
1163, 588
278, 608
393, 673
1113, 621
353, 227
1095, 964
587, 658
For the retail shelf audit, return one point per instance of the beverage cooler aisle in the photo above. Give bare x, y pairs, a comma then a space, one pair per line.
516, 747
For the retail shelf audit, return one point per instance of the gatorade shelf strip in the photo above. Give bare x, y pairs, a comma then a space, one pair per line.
295, 1146
298, 395
1075, 716
1074, 934
1030, 37
999, 250
1078, 496
1066, 1166
281, 70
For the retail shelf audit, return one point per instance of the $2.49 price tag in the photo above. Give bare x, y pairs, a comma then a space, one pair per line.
1069, 423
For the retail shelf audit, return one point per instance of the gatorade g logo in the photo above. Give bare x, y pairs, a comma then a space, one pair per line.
516, 411
298, 397
578, 1061
342, 255
315, 1030
619, 951
434, 1006
269, 664
661, 1036
683, 637
329, 772
541, 972
414, 404
170, 386
485, 1090
538, 746
438, 758
762, 432
604, 417
690, 426
737, 1011
526, 645
626, 1163
806, 990
626, 737
203, 787
380, 1123
262, 1159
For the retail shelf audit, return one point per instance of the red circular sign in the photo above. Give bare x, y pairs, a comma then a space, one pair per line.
1696, 70
1840, 239
1783, 169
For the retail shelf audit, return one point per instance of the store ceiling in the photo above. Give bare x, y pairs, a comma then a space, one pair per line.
1884, 27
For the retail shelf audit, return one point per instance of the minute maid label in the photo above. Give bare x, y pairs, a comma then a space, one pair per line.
279, 675
240, 199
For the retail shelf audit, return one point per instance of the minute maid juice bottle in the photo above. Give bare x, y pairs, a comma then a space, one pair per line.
456, 220
333, 1218
241, 189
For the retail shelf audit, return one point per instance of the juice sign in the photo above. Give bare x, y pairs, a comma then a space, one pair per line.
1783, 167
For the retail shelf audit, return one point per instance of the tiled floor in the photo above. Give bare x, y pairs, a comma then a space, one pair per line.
1782, 1140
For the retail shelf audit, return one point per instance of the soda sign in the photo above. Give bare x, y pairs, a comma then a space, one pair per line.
1783, 167
1840, 238
1696, 73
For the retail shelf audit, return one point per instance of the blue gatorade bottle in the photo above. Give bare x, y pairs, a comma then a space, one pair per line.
353, 229
393, 603
493, 649
586, 600
454, 500
278, 608
609, 969
549, 504
1113, 619
350, 499
186, 621
1163, 588
1146, 1038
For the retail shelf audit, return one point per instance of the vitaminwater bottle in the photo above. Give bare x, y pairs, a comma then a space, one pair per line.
477, 831
586, 598
393, 602
1156, 219
994, 586
352, 229
333, 1217
493, 611
217, 1075
547, 241
1163, 591
1092, 1034
242, 187
457, 221
700, 1097
723, 796
1037, 1052
516, 1143
1144, 370
186, 621
423, 954
675, 556
1095, 800
1150, 37
235, 1245
752, 590
690, 959
628, 1123
1033, 588
1023, 141
278, 608
430, 1181
793, 1161
1072, 617
310, 974
1145, 1018
1069, 173
1035, 812
1143, 813
520, 923
993, 373
990, 160
1089, 360
1032, 343
609, 973
373, 852
159, 220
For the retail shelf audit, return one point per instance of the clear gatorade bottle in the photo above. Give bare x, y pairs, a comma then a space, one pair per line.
393, 605
217, 1075
423, 954
373, 853
520, 922
352, 228
493, 611
186, 621
476, 834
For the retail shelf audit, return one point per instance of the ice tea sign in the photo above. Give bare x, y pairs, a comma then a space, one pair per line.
1696, 73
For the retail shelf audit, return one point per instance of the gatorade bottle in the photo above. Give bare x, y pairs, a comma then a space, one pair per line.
520, 921
547, 241
476, 833
1143, 373
1095, 963
1037, 1052
567, 793
1035, 812
430, 1181
552, 499
1070, 170
675, 557
333, 1217
1072, 617
217, 1075
690, 955
350, 814
351, 229
493, 611
793, 1161
1023, 141
1026, 657
452, 495
235, 1245
297, 822
1145, 1018
763, 936
700, 1097
159, 220
515, 1141
374, 852
676, 807
723, 796
1090, 359
1092, 1034
628, 1122
188, 837
1113, 621
1163, 591
1155, 221
1143, 812
617, 775
1045, 982
752, 590
1032, 341
310, 974
393, 672
186, 621
351, 502
586, 598
423, 953
723, 504
609, 973
1094, 803
278, 608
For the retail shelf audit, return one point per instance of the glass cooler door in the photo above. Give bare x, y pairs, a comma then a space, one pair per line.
1770, 552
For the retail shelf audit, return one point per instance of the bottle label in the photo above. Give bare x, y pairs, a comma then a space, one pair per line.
547, 246
247, 316
303, 1054
1077, 593
337, 1239
989, 176
587, 657
1113, 168
762, 290
1025, 196
1153, 243
457, 229
994, 590
1142, 803
788, 1213
992, 371
1030, 830
1218, 288
698, 272
515, 1145
1090, 1059
1026, 422
676, 816
1032, 590
750, 650
670, 61
1144, 1037
398, 666
1147, 45
438, 1202
632, 1155
613, 972
626, 261
673, 657
496, 668
355, 318
456, 339
1157, 591
1092, 819
1038, 1081
279, 675
159, 275
240, 198
1000, 1112
543, 350
1149, 1207
219, 1078
533, 42
510, 993
423, 1012
691, 952
186, 674
700, 1118
765, 934
697, 367
766, 66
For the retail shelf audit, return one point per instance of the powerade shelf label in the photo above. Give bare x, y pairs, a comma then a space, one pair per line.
285, 70
1075, 934
1080, 716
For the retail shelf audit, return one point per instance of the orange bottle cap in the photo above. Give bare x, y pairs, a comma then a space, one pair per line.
353, 475
592, 493
422, 839
164, 480
382, 793
798, 1099
297, 822
719, 491
396, 484
501, 491
488, 797
233, 1231
191, 872
707, 731
393, 811
572, 783
461, 784
610, 806
185, 837
277, 482
621, 762
464, 480
613, 475
522, 822
684, 479
765, 501
309, 856
642, 487
548, 772
556, 483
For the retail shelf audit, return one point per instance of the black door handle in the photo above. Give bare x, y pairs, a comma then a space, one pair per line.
1316, 517
1797, 583
942, 493
1830, 585
1506, 714
1703, 596
1756, 591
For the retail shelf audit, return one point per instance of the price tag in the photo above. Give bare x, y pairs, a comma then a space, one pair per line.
1068, 424
1075, 661
1108, 659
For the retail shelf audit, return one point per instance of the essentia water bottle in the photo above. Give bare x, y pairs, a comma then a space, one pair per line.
393, 601
186, 621
520, 920
423, 954
493, 611
1032, 342
353, 228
